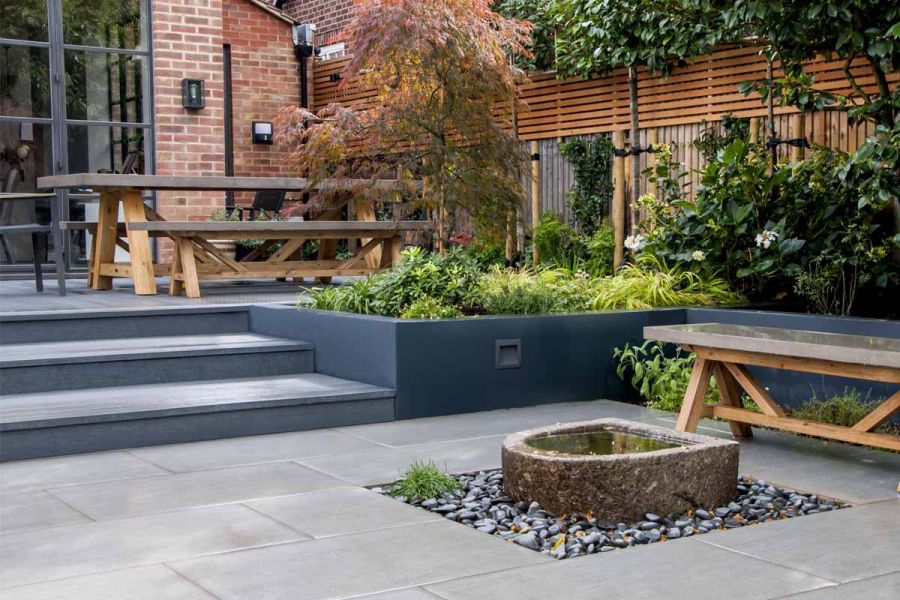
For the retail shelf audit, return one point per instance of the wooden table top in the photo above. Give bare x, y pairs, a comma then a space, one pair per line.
285, 226
113, 181
795, 343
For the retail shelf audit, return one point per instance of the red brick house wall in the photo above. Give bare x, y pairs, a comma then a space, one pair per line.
326, 15
265, 77
188, 38
187, 42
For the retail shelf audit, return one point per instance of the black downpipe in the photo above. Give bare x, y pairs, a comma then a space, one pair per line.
229, 133
303, 53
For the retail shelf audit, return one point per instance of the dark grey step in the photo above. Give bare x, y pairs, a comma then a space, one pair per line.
50, 366
50, 424
87, 324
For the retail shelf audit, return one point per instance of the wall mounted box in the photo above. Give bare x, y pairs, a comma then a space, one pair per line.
192, 94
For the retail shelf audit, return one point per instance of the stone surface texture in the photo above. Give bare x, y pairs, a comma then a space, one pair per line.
621, 487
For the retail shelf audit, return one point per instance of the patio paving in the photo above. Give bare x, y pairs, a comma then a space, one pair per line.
284, 516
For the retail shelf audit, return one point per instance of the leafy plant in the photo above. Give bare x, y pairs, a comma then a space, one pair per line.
589, 198
744, 221
660, 378
713, 139
650, 283
450, 280
557, 242
862, 33
424, 480
429, 308
846, 409
543, 35
517, 293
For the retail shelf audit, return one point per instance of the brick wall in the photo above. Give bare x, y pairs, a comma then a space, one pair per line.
326, 15
187, 42
265, 77
188, 38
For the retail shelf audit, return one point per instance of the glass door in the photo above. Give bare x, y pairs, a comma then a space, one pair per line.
74, 98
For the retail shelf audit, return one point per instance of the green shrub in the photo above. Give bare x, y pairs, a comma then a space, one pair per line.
745, 223
660, 379
450, 280
845, 409
424, 480
517, 293
429, 308
558, 244
591, 160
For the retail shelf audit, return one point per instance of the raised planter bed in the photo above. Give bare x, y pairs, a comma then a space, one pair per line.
455, 366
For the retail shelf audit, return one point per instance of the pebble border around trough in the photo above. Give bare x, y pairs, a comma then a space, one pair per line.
481, 504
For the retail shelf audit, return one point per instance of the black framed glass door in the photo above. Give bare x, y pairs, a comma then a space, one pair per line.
74, 97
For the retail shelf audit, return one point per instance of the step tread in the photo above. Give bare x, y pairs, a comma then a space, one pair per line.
99, 350
93, 405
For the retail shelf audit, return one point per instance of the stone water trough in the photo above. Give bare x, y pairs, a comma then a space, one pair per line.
618, 470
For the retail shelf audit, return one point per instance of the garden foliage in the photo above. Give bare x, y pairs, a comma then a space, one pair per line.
745, 223
424, 480
659, 374
589, 198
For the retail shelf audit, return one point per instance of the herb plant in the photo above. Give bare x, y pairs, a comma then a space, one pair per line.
424, 480
660, 378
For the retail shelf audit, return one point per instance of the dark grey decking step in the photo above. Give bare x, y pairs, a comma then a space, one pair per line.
86, 324
49, 424
50, 366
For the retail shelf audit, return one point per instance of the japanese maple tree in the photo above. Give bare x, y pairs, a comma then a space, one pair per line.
444, 95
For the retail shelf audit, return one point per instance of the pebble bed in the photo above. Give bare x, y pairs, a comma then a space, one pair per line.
480, 503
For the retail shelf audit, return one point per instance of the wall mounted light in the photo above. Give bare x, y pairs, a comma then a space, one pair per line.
192, 95
262, 132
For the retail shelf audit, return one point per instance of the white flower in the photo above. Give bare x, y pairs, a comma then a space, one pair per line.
582, 275
698, 255
635, 242
765, 239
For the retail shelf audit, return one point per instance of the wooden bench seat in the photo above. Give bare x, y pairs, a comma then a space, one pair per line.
724, 351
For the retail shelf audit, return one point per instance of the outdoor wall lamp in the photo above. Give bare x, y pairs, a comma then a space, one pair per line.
192, 94
262, 132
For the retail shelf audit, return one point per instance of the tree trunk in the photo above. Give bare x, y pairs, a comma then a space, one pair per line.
635, 143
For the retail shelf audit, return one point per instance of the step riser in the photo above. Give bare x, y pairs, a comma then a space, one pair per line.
56, 441
72, 376
117, 327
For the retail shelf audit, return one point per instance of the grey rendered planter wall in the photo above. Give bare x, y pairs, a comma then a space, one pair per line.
450, 366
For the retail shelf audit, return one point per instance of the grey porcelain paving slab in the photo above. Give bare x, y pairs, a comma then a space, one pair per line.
549, 414
197, 456
50, 353
885, 587
48, 554
342, 511
848, 544
20, 511
439, 429
70, 470
155, 582
676, 569
117, 499
70, 407
415, 593
354, 565
385, 465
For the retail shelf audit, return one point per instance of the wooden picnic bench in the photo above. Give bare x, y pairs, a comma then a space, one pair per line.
725, 351
197, 258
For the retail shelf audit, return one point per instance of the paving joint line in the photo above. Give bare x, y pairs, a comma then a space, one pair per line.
765, 560
181, 575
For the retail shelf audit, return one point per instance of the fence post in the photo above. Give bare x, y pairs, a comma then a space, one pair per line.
535, 198
618, 204
798, 131
754, 130
510, 235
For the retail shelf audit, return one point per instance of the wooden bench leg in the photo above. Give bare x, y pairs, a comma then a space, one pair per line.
391, 251
138, 244
189, 267
695, 395
176, 287
731, 396
757, 392
881, 414
104, 246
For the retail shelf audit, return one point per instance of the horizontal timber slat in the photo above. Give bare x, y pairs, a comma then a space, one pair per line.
835, 432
